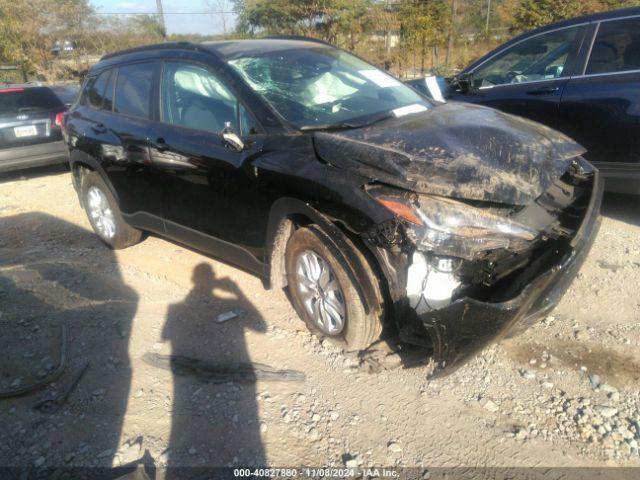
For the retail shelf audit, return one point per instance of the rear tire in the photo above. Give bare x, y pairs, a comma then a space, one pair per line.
318, 280
104, 214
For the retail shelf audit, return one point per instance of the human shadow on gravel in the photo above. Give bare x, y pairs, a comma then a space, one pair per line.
215, 421
54, 273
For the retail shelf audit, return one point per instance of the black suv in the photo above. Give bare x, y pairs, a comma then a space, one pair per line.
31, 117
303, 164
579, 76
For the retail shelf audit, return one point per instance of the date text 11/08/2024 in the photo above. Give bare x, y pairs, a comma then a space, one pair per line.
307, 472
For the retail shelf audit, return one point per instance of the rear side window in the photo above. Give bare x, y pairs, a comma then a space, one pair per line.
22, 100
95, 89
133, 90
616, 47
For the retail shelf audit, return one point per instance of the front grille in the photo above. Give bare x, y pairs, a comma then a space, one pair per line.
566, 201
558, 213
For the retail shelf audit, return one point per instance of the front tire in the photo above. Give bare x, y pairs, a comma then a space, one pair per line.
104, 214
324, 295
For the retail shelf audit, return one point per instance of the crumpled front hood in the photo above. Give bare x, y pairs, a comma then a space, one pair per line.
456, 150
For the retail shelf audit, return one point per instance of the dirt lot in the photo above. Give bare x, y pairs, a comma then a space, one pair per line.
565, 393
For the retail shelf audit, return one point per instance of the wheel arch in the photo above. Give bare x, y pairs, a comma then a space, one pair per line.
81, 164
288, 214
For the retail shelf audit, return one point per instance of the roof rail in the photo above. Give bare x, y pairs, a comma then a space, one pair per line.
155, 46
298, 37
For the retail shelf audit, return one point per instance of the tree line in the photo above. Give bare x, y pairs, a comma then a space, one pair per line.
408, 37
411, 37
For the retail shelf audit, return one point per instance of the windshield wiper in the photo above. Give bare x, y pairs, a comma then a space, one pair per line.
329, 126
348, 125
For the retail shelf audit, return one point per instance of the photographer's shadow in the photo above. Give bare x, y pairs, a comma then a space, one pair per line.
57, 277
215, 423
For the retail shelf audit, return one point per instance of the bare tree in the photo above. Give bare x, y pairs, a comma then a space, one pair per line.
219, 10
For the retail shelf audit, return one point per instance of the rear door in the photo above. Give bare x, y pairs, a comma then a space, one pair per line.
85, 124
110, 125
127, 161
29, 116
601, 105
528, 78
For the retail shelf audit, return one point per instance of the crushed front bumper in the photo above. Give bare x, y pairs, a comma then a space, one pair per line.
459, 330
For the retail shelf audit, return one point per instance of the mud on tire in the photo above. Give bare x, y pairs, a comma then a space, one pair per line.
360, 329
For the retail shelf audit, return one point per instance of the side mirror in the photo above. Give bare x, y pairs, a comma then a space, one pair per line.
465, 82
553, 71
231, 138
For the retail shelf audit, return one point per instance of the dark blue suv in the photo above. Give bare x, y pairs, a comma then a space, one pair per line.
579, 76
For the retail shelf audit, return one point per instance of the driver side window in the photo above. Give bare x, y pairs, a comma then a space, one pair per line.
193, 97
542, 57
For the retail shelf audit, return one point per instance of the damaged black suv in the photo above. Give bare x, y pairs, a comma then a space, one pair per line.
449, 224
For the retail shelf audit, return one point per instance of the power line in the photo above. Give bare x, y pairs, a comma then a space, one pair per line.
164, 13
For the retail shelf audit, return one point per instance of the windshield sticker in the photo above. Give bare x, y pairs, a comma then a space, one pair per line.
381, 79
408, 110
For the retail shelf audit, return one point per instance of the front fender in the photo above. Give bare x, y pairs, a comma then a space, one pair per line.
283, 216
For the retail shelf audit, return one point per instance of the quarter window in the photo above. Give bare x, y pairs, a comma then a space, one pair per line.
133, 90
107, 102
543, 57
247, 124
95, 92
616, 47
193, 97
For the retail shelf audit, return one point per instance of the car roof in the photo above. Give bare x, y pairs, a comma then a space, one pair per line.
224, 49
241, 48
593, 17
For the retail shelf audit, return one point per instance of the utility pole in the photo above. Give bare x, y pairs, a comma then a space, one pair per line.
161, 18
387, 40
486, 27
452, 29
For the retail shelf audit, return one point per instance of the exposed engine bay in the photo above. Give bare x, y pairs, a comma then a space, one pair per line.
482, 253
469, 248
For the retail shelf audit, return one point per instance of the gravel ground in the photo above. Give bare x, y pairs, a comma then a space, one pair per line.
564, 393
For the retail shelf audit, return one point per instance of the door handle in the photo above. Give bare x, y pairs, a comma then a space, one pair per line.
543, 91
164, 158
159, 144
172, 161
99, 128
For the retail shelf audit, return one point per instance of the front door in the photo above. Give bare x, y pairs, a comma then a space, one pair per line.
527, 79
211, 195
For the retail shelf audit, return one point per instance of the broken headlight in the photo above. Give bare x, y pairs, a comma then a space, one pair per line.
449, 227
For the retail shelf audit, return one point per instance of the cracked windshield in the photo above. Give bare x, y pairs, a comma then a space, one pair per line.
324, 86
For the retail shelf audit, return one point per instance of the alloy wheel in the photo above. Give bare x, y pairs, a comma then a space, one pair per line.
320, 293
101, 213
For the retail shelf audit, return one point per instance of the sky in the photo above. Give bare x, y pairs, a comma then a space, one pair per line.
204, 23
